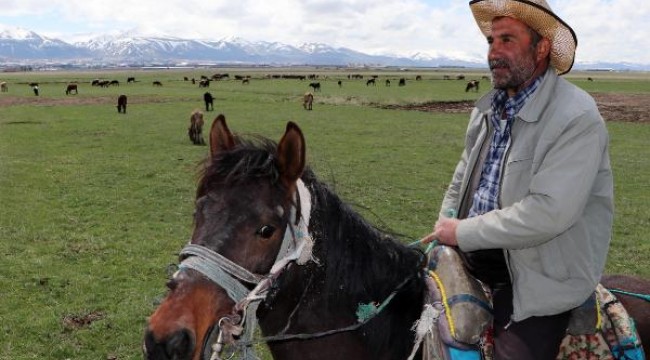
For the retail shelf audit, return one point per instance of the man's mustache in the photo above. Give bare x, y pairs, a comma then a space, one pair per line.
498, 63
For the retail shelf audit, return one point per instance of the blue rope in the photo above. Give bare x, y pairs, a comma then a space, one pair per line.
645, 297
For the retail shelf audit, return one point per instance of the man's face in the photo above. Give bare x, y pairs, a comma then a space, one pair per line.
511, 58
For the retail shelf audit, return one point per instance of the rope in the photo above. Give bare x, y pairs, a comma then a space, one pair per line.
443, 293
645, 297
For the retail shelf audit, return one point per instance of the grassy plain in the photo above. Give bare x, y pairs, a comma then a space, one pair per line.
94, 205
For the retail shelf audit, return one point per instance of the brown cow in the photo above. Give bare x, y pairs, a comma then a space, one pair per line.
308, 100
195, 131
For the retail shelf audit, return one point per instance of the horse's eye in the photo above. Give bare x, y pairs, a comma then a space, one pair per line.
266, 231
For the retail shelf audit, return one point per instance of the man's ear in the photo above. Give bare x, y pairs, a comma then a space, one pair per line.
543, 49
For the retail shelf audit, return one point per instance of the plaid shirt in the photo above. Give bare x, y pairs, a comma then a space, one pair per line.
486, 197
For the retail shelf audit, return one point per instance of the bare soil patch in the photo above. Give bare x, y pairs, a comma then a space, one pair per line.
613, 107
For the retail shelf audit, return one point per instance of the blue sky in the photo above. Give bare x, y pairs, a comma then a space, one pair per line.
608, 30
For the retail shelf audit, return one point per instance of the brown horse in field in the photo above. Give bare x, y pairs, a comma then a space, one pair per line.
271, 241
70, 88
307, 100
121, 104
195, 131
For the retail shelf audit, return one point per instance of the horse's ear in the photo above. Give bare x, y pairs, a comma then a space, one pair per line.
291, 154
221, 139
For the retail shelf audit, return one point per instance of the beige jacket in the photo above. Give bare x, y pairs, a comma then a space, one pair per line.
555, 220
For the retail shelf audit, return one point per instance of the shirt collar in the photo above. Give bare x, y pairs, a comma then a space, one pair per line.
501, 101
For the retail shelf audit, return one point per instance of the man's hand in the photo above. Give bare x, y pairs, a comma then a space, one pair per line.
444, 231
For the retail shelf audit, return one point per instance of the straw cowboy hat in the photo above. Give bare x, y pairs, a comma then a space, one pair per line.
539, 16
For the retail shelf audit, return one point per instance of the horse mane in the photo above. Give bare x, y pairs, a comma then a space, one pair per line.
252, 157
362, 264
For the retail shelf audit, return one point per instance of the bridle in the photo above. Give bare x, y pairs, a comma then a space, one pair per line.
296, 247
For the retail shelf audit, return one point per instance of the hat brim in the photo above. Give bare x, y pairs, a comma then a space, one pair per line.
562, 37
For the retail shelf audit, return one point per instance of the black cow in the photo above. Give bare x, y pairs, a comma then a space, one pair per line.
121, 104
209, 101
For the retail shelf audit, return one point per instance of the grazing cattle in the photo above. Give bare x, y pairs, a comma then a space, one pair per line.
157, 83
209, 101
387, 82
32, 84
4, 87
195, 131
315, 86
460, 77
402, 82
245, 81
130, 80
418, 78
104, 83
204, 83
472, 84
590, 79
95, 82
370, 82
340, 83
115, 82
35, 88
70, 88
121, 104
308, 100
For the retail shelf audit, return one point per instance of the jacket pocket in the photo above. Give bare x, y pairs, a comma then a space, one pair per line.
552, 260
516, 180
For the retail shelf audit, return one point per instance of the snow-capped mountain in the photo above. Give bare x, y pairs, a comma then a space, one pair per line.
18, 43
132, 47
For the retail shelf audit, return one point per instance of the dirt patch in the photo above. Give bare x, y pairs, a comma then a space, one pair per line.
76, 321
613, 107
624, 107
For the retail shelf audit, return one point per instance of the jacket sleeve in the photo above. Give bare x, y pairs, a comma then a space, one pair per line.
565, 169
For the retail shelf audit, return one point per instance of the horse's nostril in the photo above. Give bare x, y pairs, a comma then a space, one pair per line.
179, 345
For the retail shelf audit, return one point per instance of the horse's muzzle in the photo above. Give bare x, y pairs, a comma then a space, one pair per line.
177, 346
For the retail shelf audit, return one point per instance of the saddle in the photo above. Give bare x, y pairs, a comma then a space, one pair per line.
456, 320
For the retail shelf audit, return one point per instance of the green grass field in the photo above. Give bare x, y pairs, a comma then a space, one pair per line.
94, 205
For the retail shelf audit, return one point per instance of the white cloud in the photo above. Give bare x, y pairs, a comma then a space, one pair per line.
607, 30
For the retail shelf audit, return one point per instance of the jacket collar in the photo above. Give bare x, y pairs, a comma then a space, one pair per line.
534, 105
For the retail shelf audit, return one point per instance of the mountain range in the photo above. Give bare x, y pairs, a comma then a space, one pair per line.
20, 46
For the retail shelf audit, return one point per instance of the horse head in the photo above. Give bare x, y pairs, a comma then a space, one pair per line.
244, 204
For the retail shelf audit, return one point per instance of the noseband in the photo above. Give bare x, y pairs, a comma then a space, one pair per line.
296, 247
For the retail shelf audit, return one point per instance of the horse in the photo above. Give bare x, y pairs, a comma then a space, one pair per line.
307, 100
4, 87
208, 99
70, 88
315, 86
472, 84
195, 131
121, 104
245, 201
267, 229
370, 82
